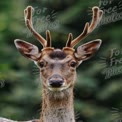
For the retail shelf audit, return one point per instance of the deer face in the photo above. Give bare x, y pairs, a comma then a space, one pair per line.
58, 70
58, 66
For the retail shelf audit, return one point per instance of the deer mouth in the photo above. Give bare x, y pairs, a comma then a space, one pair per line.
58, 89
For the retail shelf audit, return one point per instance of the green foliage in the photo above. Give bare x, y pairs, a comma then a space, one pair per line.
20, 94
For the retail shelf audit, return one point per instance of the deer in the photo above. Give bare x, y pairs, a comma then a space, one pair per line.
57, 67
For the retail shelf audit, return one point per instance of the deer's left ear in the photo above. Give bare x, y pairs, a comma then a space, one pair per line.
87, 50
28, 50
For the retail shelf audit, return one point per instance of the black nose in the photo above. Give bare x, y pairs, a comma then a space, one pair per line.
56, 81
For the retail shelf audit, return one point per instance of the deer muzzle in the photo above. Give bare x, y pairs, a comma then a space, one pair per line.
56, 81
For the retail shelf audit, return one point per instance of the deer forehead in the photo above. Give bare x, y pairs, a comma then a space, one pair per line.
58, 56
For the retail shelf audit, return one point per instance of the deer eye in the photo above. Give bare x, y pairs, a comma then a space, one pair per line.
73, 63
41, 64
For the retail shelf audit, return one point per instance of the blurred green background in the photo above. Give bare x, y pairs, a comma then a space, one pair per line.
97, 98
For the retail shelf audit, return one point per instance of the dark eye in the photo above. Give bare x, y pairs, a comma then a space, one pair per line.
73, 63
41, 64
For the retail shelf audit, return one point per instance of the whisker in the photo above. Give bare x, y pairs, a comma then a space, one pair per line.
120, 5
77, 115
2, 83
115, 108
54, 13
120, 8
35, 68
115, 114
89, 11
119, 2
90, 8
36, 74
35, 71
104, 66
102, 62
102, 57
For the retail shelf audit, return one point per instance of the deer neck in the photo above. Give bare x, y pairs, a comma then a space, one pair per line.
56, 107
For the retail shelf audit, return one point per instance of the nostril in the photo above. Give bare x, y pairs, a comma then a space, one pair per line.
56, 83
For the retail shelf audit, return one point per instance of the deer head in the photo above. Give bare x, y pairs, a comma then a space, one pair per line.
58, 66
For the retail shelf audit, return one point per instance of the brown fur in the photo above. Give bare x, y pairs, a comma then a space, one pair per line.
57, 102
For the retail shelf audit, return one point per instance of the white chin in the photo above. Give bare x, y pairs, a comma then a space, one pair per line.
58, 89
59, 93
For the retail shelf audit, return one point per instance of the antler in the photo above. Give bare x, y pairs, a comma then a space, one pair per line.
97, 16
29, 24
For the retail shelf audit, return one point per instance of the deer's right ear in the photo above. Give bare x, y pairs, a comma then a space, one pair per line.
28, 50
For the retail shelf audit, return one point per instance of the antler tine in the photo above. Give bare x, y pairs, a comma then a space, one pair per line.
70, 37
97, 15
28, 22
48, 38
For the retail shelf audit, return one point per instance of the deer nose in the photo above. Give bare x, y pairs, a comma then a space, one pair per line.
56, 81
